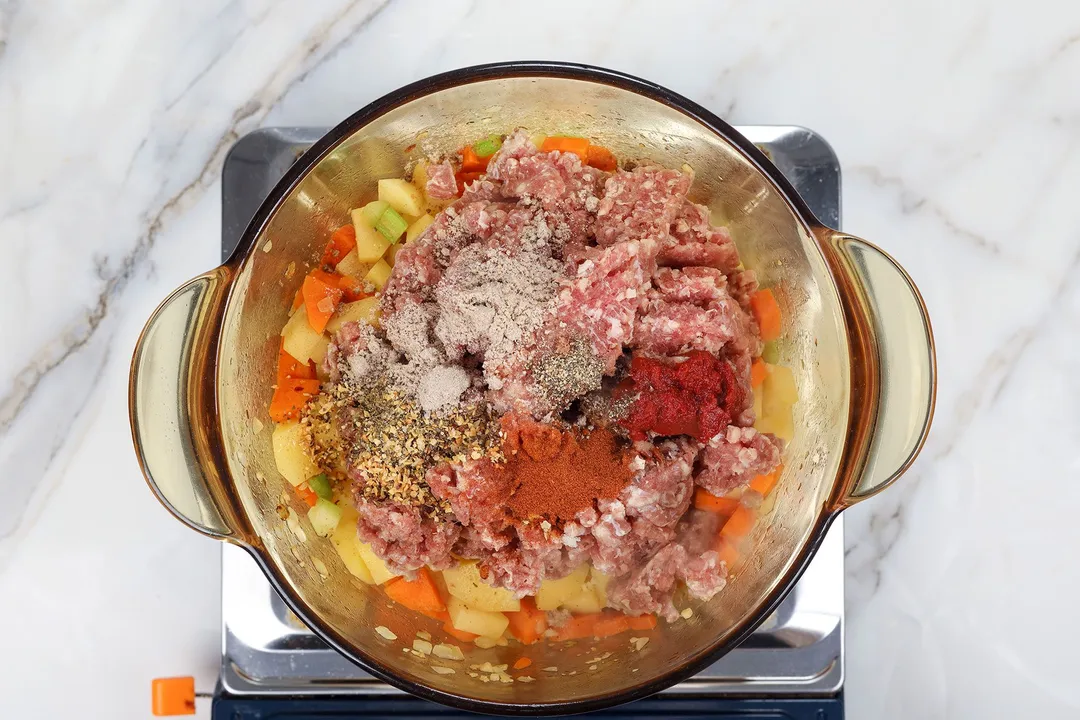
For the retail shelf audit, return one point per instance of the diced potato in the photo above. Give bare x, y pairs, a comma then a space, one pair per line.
778, 393
347, 543
418, 227
778, 422
758, 397
553, 593
350, 265
301, 341
402, 196
379, 572
464, 582
290, 453
379, 274
365, 310
599, 582
391, 254
584, 602
370, 244
479, 622
419, 177
780, 387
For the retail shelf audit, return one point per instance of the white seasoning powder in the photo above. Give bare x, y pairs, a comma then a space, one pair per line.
490, 299
442, 386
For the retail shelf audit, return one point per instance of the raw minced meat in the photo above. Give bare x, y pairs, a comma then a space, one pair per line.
693, 241
530, 294
404, 538
640, 204
441, 184
736, 457
662, 491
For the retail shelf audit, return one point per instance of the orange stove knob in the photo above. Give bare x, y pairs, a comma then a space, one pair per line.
173, 696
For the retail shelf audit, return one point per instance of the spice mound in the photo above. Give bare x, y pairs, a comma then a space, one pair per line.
391, 443
553, 474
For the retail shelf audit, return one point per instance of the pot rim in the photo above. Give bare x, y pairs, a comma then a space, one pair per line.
523, 69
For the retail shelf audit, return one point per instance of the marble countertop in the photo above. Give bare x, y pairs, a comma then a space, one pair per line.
957, 125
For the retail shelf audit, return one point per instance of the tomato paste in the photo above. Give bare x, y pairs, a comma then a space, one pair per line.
696, 395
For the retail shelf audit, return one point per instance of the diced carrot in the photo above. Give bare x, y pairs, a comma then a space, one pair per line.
307, 494
596, 625
758, 371
341, 244
576, 145
471, 162
601, 158
522, 663
290, 396
641, 622
767, 312
321, 298
298, 298
464, 178
739, 524
705, 500
765, 483
528, 623
420, 594
728, 552
610, 624
289, 368
352, 288
578, 626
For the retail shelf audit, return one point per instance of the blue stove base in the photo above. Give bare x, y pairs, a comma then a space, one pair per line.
226, 707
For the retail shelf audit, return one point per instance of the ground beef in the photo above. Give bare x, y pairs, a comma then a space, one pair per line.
735, 458
600, 302
475, 497
708, 319
441, 184
516, 146
649, 588
640, 204
693, 241
742, 285
416, 272
404, 538
623, 543
662, 490
697, 531
697, 285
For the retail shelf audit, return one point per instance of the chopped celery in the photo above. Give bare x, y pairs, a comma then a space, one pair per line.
487, 147
320, 485
771, 353
324, 517
391, 225
373, 210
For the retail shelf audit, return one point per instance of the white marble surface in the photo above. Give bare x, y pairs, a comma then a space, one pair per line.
957, 125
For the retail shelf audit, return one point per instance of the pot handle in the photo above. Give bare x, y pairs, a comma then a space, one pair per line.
171, 401
893, 342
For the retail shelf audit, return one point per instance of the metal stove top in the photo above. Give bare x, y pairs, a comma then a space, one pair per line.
266, 651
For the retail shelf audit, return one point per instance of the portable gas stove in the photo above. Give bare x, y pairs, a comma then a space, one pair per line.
274, 667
